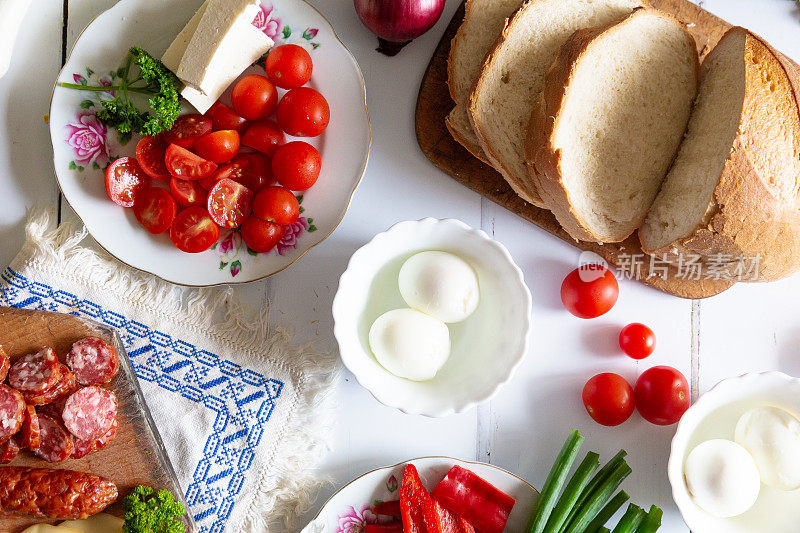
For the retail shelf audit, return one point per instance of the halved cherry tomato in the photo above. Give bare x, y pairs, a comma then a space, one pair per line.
187, 129
637, 340
187, 193
589, 291
193, 230
239, 169
264, 136
185, 165
254, 97
296, 165
218, 146
277, 204
124, 180
155, 209
662, 395
224, 118
303, 112
260, 235
608, 399
229, 203
150, 152
289, 66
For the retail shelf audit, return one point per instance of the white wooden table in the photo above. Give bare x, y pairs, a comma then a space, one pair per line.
748, 328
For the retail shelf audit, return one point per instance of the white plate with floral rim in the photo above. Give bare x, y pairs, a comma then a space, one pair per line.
83, 147
350, 509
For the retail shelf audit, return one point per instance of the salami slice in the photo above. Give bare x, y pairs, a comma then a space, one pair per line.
90, 412
5, 363
94, 361
65, 386
84, 448
56, 442
30, 434
8, 450
35, 372
12, 411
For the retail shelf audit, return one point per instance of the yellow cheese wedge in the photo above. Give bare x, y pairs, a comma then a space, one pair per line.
47, 528
99, 523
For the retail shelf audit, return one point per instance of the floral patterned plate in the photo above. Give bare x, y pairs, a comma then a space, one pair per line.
83, 147
349, 510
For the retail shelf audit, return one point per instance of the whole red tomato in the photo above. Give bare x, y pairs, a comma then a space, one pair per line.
637, 340
608, 398
589, 291
303, 112
289, 66
662, 395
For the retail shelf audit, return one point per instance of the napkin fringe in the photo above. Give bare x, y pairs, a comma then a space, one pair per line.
286, 491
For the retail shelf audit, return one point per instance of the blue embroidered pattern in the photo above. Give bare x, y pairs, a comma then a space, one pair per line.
241, 399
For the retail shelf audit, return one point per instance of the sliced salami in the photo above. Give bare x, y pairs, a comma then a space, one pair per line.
35, 372
106, 439
8, 450
56, 442
84, 448
94, 361
90, 412
65, 386
5, 363
12, 411
30, 434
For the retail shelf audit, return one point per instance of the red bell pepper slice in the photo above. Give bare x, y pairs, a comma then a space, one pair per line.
440, 520
390, 527
474, 499
390, 508
413, 498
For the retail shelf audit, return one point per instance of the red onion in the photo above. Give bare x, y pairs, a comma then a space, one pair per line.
397, 22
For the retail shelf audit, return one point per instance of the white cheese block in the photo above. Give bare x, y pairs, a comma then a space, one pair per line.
172, 57
99, 523
216, 41
240, 48
46, 528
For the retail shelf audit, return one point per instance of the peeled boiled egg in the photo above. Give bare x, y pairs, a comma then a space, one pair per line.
722, 478
772, 436
410, 344
440, 284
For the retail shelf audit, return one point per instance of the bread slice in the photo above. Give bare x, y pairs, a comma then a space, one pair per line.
612, 115
483, 22
733, 193
513, 76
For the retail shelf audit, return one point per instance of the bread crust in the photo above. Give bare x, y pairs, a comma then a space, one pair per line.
543, 159
460, 136
746, 218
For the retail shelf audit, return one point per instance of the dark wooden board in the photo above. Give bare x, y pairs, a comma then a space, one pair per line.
434, 104
136, 456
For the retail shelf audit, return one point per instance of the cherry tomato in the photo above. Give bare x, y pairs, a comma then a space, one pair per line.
662, 395
608, 398
276, 204
589, 291
124, 180
187, 129
229, 203
193, 230
224, 118
296, 165
303, 112
187, 193
185, 165
260, 235
260, 171
289, 66
218, 146
155, 209
637, 340
264, 136
254, 97
150, 152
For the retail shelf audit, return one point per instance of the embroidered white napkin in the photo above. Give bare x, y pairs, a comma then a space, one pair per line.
242, 413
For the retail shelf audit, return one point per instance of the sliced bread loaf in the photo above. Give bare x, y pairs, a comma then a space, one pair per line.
733, 193
513, 76
612, 115
483, 22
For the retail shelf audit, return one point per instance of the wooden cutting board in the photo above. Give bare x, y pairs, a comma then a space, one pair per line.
136, 456
434, 104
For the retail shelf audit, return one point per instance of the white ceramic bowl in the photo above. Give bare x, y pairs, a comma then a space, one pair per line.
486, 348
714, 416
